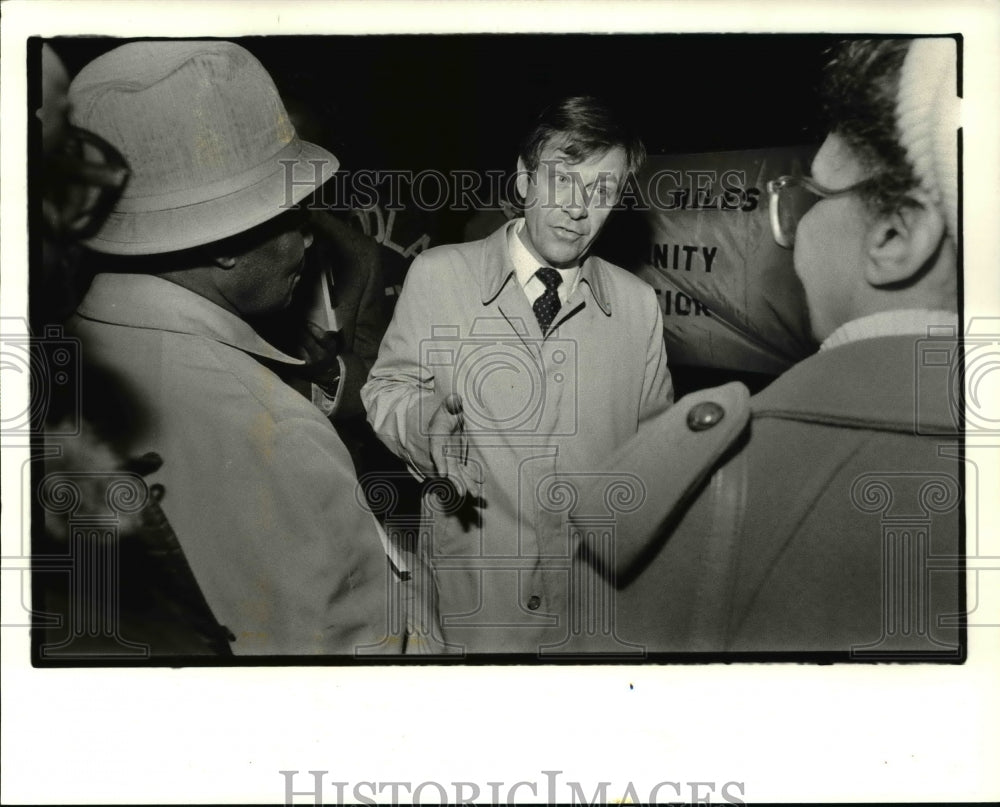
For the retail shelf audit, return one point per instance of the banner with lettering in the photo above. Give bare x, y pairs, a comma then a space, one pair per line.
729, 293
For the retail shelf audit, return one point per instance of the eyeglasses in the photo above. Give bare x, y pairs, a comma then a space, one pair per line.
792, 197
82, 181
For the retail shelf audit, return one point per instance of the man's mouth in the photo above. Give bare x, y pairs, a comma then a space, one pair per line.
566, 233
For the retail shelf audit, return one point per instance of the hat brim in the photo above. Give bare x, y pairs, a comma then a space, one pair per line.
182, 226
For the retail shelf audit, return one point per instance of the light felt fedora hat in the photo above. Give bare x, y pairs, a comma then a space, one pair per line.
206, 136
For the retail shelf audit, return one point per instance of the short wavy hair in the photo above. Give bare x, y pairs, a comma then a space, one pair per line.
581, 126
860, 88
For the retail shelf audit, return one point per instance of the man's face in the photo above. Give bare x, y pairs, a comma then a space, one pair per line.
830, 242
268, 269
567, 204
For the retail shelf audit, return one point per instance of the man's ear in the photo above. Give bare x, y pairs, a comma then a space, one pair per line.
224, 262
902, 242
521, 179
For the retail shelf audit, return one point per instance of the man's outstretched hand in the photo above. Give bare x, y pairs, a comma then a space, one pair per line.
449, 445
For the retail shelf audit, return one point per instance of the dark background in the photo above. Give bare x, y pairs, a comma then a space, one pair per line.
464, 101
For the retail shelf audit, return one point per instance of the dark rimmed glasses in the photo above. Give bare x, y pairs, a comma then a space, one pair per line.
792, 197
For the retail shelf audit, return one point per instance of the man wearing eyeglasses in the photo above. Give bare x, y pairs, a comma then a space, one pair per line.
834, 524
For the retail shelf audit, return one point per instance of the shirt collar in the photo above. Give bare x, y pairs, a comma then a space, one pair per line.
904, 322
526, 264
150, 302
498, 267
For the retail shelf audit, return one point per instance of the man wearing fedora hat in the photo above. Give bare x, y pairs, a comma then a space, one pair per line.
207, 234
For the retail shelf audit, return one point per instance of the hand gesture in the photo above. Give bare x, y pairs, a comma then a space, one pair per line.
320, 350
449, 445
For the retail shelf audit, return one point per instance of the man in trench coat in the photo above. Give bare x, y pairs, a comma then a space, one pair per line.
509, 363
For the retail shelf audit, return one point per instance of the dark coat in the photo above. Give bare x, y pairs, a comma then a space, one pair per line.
355, 261
833, 526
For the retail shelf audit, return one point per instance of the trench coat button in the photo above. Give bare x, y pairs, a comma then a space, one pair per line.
533, 602
704, 416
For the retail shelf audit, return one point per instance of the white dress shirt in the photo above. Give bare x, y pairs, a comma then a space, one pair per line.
526, 264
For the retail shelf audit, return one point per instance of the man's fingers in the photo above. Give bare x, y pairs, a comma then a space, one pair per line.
329, 340
320, 346
450, 445
453, 403
472, 471
457, 479
451, 467
444, 422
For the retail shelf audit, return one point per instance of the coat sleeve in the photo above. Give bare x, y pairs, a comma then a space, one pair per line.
321, 579
358, 271
399, 396
657, 385
369, 329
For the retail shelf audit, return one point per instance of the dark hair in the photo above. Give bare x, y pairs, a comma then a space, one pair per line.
861, 84
581, 126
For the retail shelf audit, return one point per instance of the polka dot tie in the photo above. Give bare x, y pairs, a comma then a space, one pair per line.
547, 306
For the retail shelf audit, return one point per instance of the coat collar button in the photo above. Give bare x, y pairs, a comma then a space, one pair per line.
704, 416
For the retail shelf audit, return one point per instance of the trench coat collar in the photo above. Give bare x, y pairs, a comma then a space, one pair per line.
881, 382
497, 269
152, 303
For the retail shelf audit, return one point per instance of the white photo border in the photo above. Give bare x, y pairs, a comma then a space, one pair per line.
787, 732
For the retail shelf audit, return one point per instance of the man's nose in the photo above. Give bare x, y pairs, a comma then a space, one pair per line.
307, 238
574, 207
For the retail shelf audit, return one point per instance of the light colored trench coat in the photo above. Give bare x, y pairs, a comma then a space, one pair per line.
258, 487
539, 412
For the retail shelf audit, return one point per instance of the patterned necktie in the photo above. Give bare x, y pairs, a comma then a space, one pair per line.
547, 306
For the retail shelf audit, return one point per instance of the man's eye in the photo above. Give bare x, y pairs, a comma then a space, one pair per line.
562, 179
